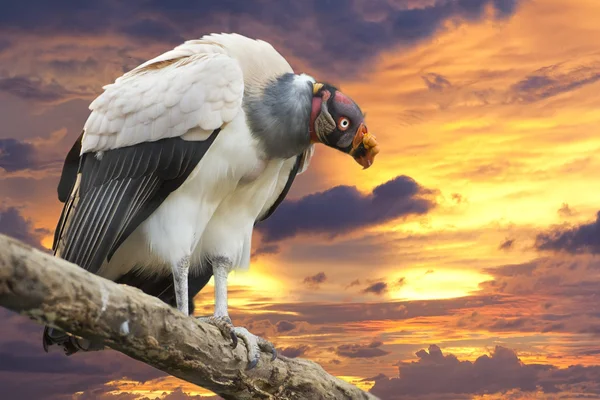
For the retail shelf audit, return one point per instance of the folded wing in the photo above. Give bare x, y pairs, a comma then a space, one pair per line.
145, 135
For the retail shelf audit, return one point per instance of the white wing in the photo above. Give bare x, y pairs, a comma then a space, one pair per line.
191, 90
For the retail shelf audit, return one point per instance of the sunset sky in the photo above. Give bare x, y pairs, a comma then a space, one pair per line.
462, 265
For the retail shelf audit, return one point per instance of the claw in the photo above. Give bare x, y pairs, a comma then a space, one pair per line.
253, 364
267, 347
254, 344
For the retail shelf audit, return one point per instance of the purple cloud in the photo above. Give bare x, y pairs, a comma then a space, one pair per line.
315, 280
583, 238
370, 350
344, 208
13, 224
437, 374
378, 288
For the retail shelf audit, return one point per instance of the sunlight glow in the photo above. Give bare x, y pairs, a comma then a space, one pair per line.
420, 284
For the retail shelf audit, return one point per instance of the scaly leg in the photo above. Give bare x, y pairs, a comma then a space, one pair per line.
220, 319
181, 271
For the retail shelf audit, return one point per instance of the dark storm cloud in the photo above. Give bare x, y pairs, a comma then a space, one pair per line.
370, 350
13, 224
435, 373
582, 238
507, 244
336, 34
315, 280
344, 208
16, 155
378, 288
285, 326
266, 249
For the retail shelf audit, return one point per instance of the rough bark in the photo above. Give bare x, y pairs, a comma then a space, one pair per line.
60, 294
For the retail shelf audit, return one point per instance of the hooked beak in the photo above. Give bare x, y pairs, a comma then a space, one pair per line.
364, 147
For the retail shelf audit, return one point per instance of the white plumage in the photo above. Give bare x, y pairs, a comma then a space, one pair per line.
199, 90
181, 156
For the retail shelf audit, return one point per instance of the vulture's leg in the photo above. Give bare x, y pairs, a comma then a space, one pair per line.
254, 344
180, 278
221, 319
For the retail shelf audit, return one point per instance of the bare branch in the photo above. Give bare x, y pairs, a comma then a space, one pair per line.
58, 293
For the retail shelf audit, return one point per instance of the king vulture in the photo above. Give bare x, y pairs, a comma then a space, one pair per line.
181, 157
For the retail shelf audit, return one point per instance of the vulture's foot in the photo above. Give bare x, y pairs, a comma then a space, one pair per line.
254, 343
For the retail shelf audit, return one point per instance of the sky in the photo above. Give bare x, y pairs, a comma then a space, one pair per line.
462, 265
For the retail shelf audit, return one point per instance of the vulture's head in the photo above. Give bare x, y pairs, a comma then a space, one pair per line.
338, 122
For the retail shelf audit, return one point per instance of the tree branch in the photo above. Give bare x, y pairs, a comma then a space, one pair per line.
58, 293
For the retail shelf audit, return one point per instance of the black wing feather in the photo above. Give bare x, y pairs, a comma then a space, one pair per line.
285, 190
117, 192
69, 171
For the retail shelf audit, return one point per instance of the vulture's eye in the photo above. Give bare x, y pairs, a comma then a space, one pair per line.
343, 123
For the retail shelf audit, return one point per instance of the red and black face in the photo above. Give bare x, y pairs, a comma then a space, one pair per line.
338, 122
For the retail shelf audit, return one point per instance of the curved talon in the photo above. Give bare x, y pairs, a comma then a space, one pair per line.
254, 344
267, 346
253, 364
